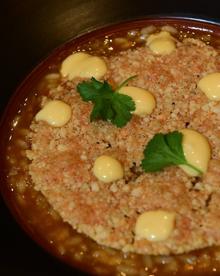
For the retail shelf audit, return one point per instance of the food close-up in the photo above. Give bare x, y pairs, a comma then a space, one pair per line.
113, 150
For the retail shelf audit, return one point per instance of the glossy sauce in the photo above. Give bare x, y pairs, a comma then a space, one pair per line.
161, 43
107, 169
210, 85
55, 113
155, 225
197, 151
83, 65
58, 237
143, 99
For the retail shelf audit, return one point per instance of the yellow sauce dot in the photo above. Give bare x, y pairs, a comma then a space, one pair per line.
144, 100
56, 113
162, 46
197, 151
83, 65
155, 225
161, 43
108, 169
210, 85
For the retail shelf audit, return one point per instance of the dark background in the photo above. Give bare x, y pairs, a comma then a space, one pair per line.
30, 29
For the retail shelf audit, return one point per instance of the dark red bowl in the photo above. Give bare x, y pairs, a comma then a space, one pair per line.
17, 100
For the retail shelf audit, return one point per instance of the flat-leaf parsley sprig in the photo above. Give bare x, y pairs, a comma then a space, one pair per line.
109, 105
165, 150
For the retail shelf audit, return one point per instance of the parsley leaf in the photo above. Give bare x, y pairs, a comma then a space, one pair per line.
109, 105
165, 150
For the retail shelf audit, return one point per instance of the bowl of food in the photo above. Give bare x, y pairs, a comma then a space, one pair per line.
110, 149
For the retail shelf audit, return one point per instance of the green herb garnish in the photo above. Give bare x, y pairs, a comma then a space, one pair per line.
165, 150
109, 105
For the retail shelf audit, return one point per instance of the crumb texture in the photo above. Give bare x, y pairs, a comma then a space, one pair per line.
62, 158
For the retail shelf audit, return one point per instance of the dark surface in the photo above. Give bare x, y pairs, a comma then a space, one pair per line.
21, 256
29, 31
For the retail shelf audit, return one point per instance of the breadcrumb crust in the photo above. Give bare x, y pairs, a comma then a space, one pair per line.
62, 158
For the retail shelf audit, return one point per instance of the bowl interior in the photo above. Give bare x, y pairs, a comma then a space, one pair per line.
19, 102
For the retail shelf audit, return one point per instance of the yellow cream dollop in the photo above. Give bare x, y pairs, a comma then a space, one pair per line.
144, 100
197, 151
210, 85
155, 226
161, 43
83, 65
108, 169
56, 113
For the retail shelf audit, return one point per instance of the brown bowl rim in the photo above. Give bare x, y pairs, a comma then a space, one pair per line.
190, 21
